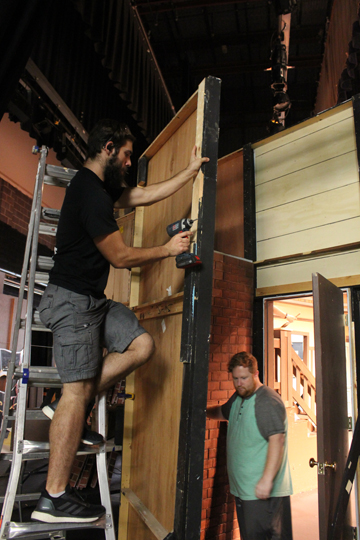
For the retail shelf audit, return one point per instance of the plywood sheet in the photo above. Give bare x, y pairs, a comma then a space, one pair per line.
156, 426
174, 155
229, 226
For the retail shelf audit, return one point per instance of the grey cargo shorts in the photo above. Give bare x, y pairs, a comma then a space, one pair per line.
81, 327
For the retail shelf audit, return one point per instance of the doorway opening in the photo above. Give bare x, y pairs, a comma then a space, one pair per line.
289, 368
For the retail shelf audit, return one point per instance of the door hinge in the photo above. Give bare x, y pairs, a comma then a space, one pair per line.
350, 423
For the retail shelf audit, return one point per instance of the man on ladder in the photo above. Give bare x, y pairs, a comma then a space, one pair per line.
75, 308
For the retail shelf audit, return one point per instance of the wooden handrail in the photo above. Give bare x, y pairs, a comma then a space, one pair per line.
292, 364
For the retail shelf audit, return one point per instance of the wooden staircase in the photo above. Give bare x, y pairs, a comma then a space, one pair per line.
291, 376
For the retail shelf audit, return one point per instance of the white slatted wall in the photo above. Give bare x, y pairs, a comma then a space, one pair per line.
308, 198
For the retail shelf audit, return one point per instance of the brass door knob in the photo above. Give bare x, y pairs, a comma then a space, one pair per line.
322, 466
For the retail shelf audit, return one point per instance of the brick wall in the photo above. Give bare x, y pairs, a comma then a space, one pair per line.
231, 332
15, 208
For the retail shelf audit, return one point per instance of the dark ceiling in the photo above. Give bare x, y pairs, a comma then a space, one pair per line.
232, 40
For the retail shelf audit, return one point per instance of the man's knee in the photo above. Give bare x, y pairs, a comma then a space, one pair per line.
144, 346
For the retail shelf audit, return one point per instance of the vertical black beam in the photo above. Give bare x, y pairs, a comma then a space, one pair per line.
258, 334
142, 171
195, 337
249, 204
356, 111
355, 300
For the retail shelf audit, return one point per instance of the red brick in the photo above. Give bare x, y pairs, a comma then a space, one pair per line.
219, 394
217, 292
222, 302
213, 385
219, 376
218, 256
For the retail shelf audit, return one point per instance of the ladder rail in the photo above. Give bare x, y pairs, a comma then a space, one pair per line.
29, 242
33, 259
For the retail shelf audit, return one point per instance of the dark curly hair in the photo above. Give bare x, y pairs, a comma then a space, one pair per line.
107, 130
244, 359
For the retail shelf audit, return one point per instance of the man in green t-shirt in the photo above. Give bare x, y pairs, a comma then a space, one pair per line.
257, 456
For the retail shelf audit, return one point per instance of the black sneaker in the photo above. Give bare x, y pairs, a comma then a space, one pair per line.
91, 438
69, 508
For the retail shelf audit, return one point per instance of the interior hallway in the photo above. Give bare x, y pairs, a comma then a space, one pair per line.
304, 511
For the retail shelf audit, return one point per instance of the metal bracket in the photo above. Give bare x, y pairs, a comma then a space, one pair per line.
20, 448
26, 374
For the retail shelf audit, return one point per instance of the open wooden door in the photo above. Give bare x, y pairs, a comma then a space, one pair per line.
331, 398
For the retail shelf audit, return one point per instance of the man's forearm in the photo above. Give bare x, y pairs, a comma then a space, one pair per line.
214, 413
273, 461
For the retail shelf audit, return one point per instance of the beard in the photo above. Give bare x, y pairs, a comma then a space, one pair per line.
114, 179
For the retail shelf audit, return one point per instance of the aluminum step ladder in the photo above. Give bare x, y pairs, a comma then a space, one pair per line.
25, 376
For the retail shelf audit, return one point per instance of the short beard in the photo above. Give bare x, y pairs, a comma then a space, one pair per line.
114, 179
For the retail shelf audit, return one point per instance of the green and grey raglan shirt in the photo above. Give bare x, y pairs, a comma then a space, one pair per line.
251, 422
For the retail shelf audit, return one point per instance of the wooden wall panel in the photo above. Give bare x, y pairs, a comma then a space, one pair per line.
229, 226
173, 156
307, 195
340, 267
314, 144
155, 431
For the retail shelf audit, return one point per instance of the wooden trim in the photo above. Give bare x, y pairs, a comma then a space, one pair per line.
308, 254
146, 516
305, 286
169, 305
130, 386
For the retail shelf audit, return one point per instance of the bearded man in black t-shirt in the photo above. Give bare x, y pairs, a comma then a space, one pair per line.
75, 308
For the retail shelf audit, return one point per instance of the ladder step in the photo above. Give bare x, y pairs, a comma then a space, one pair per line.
58, 176
46, 228
33, 450
45, 263
40, 375
51, 213
36, 324
42, 277
23, 497
36, 530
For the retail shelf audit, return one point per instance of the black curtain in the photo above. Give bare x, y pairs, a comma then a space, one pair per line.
20, 23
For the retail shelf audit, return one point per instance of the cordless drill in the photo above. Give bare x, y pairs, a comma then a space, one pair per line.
184, 260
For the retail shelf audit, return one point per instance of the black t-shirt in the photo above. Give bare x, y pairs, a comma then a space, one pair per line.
87, 212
